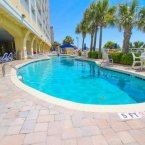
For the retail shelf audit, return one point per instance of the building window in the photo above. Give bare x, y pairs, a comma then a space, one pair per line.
33, 13
25, 4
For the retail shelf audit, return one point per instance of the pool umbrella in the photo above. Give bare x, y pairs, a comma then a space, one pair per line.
115, 46
67, 46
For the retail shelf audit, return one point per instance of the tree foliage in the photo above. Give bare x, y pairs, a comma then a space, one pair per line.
82, 28
100, 15
141, 19
109, 45
68, 40
137, 44
127, 20
106, 17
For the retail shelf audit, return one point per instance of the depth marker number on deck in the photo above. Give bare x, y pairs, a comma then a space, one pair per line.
132, 115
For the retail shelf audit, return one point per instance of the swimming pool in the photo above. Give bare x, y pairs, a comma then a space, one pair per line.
83, 82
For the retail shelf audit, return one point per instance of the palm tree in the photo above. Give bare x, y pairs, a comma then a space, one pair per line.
88, 16
127, 20
78, 30
91, 32
106, 16
138, 44
95, 22
141, 19
82, 28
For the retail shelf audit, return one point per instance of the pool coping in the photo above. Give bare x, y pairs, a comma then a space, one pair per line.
74, 105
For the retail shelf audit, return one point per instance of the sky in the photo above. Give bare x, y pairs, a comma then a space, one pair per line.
66, 14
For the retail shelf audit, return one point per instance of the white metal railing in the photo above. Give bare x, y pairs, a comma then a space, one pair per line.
137, 49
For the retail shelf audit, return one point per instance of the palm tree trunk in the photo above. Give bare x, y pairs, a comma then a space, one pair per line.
126, 41
100, 39
95, 38
83, 43
91, 45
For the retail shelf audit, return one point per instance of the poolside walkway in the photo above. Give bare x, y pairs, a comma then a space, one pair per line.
25, 120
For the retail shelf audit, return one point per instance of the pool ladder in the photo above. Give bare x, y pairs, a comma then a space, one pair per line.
12, 66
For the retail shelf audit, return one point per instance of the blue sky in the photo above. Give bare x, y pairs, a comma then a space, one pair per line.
66, 14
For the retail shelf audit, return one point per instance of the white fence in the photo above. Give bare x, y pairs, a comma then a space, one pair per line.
137, 49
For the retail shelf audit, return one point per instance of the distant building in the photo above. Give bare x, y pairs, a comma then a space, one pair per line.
52, 34
24, 26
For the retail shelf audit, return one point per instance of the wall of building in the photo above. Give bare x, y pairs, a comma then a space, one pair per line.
52, 34
28, 22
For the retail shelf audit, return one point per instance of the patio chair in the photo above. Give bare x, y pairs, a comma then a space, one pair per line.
136, 60
84, 53
4, 58
142, 58
14, 55
10, 56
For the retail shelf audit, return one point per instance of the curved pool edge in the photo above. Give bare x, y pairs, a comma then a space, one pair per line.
69, 104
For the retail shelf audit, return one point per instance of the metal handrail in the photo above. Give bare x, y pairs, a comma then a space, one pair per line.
12, 66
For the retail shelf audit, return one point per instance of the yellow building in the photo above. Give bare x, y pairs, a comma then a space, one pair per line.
24, 27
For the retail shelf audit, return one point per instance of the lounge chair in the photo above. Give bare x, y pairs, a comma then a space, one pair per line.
84, 53
136, 60
14, 56
10, 56
4, 58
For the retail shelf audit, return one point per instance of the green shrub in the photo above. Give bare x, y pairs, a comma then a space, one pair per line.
126, 59
89, 54
94, 55
116, 56
99, 55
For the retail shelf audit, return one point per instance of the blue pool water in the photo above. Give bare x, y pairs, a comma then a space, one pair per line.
83, 82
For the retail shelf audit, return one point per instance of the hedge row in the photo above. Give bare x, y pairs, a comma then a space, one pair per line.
118, 57
94, 54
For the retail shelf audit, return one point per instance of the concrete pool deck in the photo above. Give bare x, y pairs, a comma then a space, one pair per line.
27, 120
